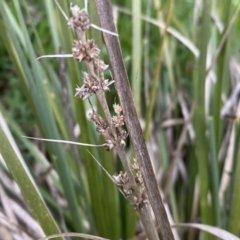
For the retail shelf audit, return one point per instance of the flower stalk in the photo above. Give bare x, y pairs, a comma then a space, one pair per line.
132, 181
94, 83
104, 10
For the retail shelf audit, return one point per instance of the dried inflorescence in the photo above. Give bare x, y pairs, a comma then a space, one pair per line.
138, 174
90, 86
122, 180
141, 201
104, 129
118, 120
101, 125
79, 21
86, 51
95, 83
138, 198
112, 137
99, 66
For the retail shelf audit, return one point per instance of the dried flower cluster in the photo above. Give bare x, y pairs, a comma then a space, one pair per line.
79, 21
91, 86
87, 51
94, 81
123, 180
141, 201
112, 136
112, 128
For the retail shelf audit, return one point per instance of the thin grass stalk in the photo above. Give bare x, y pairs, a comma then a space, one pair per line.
24, 181
214, 173
226, 33
200, 118
122, 85
136, 53
222, 57
94, 34
157, 74
234, 222
146, 53
49, 6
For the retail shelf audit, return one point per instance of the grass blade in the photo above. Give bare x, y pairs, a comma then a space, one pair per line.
25, 182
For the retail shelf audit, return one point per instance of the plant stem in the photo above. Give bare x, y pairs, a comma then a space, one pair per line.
157, 74
200, 116
130, 116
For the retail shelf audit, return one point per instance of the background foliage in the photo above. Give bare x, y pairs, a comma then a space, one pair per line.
193, 130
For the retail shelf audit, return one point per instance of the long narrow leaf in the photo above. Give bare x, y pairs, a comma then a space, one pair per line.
25, 181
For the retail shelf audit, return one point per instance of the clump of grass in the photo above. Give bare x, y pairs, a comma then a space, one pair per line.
196, 164
112, 128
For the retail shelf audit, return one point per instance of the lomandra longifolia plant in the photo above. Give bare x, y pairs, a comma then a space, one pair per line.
131, 182
86, 51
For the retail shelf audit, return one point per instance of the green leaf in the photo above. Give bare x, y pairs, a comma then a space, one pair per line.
24, 180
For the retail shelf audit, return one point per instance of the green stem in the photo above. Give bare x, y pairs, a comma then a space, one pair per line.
157, 74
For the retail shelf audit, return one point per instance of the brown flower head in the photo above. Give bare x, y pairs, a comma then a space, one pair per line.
101, 125
140, 203
121, 136
89, 87
121, 179
135, 165
79, 21
117, 109
85, 51
118, 120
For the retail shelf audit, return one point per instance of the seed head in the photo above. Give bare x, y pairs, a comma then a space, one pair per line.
79, 21
117, 121
121, 179
117, 109
85, 51
90, 86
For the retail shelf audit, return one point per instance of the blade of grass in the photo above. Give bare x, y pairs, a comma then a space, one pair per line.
222, 55
136, 53
49, 6
219, 233
214, 173
157, 74
234, 222
199, 118
25, 182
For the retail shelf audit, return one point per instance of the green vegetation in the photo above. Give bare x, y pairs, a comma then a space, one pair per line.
185, 82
